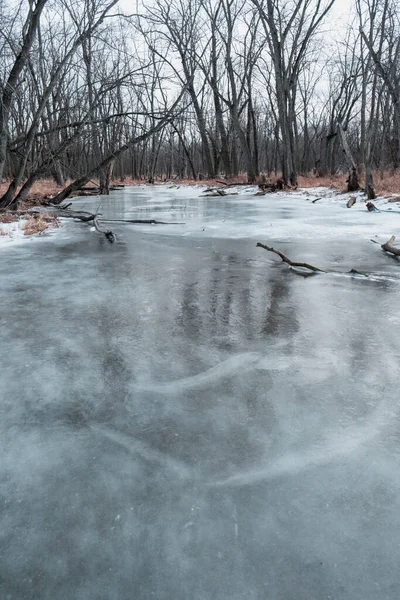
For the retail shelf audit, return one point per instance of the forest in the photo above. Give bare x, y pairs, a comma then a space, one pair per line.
196, 90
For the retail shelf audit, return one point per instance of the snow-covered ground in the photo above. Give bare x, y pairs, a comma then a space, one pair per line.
13, 233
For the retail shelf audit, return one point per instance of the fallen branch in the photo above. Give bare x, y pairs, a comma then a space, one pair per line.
110, 235
290, 262
316, 200
237, 184
144, 221
212, 193
388, 247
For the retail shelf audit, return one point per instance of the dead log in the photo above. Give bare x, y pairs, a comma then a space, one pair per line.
388, 247
215, 193
287, 260
351, 201
316, 200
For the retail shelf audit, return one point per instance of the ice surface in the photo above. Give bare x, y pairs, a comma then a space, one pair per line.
183, 417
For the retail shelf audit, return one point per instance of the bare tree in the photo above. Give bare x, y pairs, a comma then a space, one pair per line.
8, 88
289, 28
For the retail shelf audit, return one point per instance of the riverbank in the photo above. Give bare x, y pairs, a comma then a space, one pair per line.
386, 184
174, 200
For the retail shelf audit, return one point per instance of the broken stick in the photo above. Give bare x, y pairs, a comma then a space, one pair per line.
351, 201
290, 262
388, 247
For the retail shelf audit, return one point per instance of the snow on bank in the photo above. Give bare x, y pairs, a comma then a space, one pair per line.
13, 233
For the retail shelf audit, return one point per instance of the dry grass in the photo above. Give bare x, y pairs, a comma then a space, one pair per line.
387, 182
35, 224
337, 182
8, 218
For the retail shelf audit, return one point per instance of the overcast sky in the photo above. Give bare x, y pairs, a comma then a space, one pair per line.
336, 22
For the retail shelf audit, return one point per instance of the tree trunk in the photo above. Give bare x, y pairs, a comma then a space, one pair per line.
31, 26
106, 180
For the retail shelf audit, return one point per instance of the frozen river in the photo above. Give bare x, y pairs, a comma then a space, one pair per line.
185, 418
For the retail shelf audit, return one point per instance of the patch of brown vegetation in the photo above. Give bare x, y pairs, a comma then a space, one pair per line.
386, 183
37, 224
337, 182
8, 218
43, 188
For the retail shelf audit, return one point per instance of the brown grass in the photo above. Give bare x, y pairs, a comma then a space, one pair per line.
387, 183
8, 218
38, 224
337, 182
40, 189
